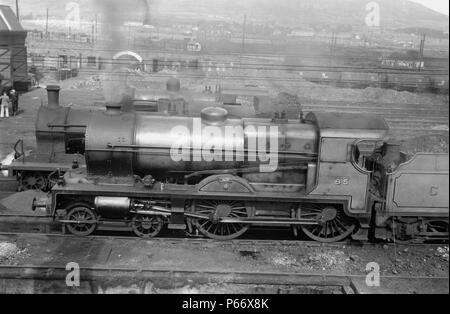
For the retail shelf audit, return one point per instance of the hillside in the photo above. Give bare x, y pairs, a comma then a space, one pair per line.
394, 13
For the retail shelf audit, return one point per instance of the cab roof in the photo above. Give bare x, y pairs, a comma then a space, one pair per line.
349, 125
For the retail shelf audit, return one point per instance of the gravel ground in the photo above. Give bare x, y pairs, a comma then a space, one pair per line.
400, 260
10, 253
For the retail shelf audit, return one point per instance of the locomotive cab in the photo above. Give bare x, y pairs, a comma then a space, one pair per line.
342, 139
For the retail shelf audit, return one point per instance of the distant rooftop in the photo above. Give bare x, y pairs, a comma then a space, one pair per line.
9, 21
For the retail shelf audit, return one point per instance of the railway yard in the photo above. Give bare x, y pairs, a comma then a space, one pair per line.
240, 266
88, 179
39, 250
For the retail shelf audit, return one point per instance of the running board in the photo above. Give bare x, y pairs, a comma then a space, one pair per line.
244, 221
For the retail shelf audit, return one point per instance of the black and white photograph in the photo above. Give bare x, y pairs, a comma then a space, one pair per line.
231, 154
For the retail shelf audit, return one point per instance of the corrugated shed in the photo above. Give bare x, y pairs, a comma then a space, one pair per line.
9, 21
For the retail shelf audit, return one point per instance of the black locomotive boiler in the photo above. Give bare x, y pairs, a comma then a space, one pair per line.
335, 175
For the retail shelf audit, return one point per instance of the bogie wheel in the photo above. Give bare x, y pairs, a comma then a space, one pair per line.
405, 231
215, 210
33, 181
334, 225
84, 220
147, 226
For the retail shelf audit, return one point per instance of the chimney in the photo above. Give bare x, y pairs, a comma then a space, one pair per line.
53, 96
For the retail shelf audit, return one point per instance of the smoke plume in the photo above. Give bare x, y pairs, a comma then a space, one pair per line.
113, 38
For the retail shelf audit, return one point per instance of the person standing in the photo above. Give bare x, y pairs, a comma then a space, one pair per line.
4, 105
14, 98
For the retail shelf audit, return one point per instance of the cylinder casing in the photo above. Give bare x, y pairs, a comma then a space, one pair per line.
112, 207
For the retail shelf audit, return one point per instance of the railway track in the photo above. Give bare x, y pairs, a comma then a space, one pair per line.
398, 113
21, 225
100, 275
416, 117
103, 280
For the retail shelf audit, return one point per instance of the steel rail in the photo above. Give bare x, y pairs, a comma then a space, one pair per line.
48, 272
236, 242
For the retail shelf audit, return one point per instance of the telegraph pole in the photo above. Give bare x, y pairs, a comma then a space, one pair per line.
96, 24
17, 10
93, 32
421, 51
244, 30
333, 44
46, 26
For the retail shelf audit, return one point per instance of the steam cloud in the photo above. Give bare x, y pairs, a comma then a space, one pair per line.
147, 16
113, 38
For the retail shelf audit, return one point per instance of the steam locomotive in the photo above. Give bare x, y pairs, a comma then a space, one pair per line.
328, 175
60, 131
